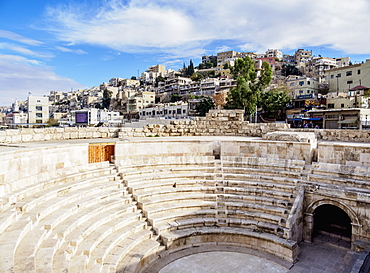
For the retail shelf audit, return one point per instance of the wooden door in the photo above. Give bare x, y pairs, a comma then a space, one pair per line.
99, 152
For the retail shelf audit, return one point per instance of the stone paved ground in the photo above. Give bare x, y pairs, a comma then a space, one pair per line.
327, 255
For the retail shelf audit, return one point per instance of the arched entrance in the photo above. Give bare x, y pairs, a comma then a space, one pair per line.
332, 221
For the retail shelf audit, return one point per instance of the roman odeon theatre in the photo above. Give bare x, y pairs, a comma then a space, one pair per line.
124, 199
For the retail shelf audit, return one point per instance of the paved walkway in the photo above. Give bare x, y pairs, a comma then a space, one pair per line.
325, 254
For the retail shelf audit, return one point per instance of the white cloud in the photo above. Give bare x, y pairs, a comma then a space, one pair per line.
24, 51
183, 27
19, 75
66, 49
18, 38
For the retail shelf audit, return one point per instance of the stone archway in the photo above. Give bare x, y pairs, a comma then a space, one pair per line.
321, 210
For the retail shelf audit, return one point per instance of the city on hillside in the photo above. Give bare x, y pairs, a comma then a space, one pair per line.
304, 90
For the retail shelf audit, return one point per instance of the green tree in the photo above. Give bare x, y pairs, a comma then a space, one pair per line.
246, 94
290, 70
204, 106
196, 77
107, 95
274, 101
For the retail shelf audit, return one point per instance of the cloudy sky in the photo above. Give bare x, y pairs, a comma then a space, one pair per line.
63, 44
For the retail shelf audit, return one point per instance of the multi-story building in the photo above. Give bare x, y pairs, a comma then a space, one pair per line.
351, 118
175, 110
140, 101
274, 53
94, 116
317, 66
301, 56
342, 79
302, 89
209, 59
38, 109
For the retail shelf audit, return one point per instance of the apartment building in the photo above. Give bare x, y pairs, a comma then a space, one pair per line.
301, 56
175, 110
274, 53
38, 109
342, 79
140, 101
317, 66
302, 89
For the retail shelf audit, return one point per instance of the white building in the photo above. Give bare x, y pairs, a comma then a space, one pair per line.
38, 109
178, 110
94, 116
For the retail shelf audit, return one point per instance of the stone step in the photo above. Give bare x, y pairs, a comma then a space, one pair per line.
177, 197
37, 238
262, 182
164, 184
258, 200
142, 255
168, 191
256, 215
71, 240
161, 170
181, 213
266, 242
184, 223
169, 176
245, 206
117, 251
259, 171
238, 191
21, 192
85, 245
174, 205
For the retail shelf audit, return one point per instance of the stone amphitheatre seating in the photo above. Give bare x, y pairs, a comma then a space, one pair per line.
60, 213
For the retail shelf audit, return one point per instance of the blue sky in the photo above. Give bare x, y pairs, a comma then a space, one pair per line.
63, 44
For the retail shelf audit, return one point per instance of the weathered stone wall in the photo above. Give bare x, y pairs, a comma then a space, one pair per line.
56, 133
25, 166
339, 134
347, 154
216, 123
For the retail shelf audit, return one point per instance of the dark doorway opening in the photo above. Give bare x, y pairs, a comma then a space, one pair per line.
329, 220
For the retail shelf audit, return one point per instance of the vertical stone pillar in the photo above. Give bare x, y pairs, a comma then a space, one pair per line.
308, 227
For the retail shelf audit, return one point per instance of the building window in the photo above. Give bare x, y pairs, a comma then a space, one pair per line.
331, 76
349, 82
359, 72
342, 105
349, 73
39, 115
308, 82
330, 105
339, 75
301, 83
38, 120
38, 108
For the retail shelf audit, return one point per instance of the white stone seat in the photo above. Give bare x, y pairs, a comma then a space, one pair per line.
20, 190
236, 191
244, 206
334, 179
266, 242
72, 238
264, 163
148, 186
163, 192
175, 197
47, 234
261, 183
169, 176
259, 200
142, 254
174, 205
56, 209
94, 246
256, 215
181, 213
163, 170
263, 172
181, 223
